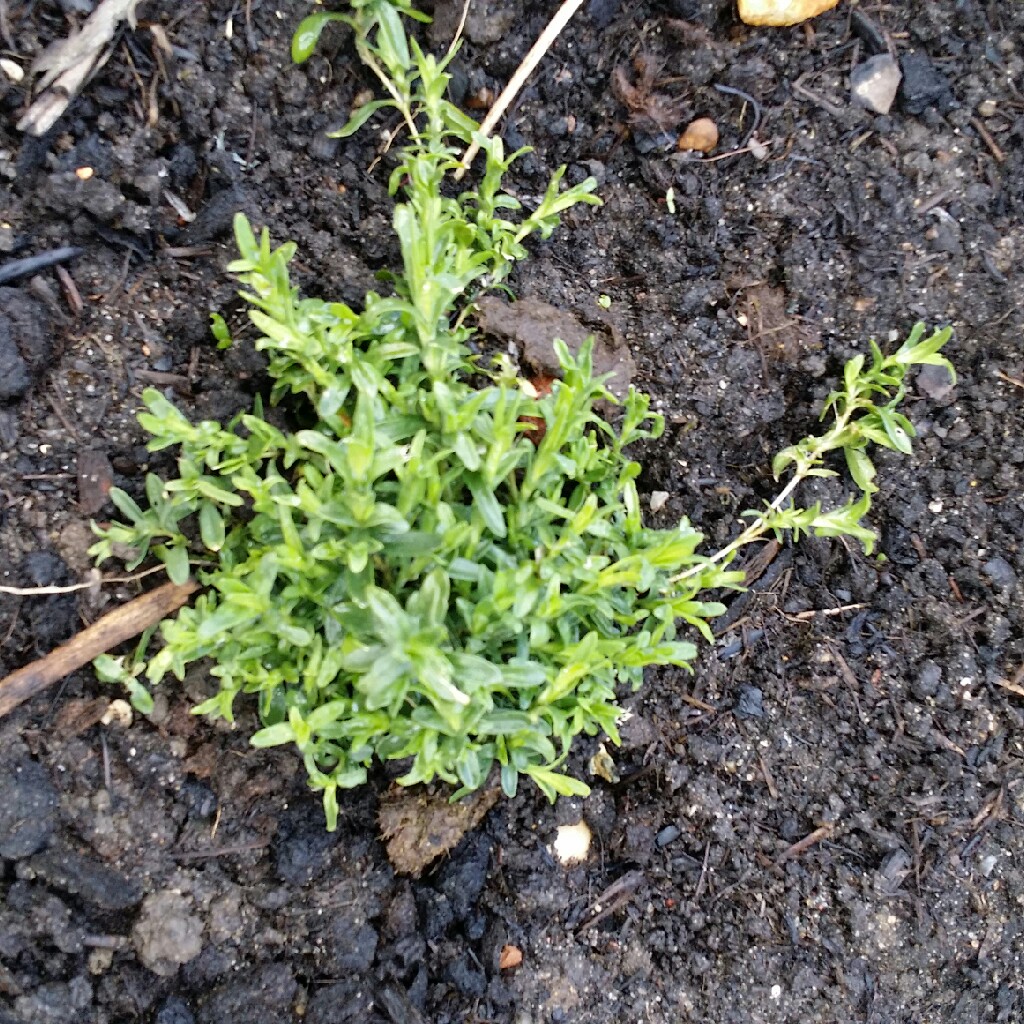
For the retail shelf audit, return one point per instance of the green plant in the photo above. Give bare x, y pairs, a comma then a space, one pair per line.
422, 568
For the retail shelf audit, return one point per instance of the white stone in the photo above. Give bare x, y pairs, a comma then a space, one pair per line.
572, 842
874, 83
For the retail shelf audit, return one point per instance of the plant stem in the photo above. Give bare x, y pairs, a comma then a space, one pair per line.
754, 531
757, 528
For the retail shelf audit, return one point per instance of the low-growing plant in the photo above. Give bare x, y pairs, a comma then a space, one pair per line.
422, 568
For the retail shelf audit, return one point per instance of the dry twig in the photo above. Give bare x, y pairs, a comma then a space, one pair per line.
119, 625
523, 72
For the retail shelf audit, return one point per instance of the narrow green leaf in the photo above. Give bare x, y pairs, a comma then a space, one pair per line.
359, 117
307, 35
211, 527
273, 735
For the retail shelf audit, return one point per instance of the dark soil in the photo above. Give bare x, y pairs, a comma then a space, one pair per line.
824, 823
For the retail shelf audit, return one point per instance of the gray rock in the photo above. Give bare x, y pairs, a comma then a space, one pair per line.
167, 933
28, 809
265, 993
874, 83
56, 1002
174, 1011
489, 22
929, 677
935, 382
750, 703
90, 880
1000, 572
26, 342
669, 834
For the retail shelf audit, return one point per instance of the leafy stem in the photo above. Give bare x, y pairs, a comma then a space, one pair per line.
865, 411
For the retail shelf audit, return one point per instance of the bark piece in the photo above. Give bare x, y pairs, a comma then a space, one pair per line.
532, 326
420, 824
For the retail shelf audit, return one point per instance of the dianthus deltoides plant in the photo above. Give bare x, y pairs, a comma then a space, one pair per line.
425, 569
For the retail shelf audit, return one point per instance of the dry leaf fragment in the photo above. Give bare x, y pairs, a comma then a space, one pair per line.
648, 110
511, 956
602, 765
420, 824
782, 12
65, 66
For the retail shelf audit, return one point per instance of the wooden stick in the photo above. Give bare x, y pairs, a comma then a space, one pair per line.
523, 72
117, 626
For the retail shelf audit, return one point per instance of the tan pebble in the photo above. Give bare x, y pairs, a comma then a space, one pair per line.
701, 135
100, 959
986, 108
511, 956
782, 12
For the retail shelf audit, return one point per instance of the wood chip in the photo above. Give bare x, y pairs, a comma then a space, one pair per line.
78, 716
95, 478
65, 66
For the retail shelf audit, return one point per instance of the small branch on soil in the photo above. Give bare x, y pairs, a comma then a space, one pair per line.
1013, 685
68, 64
1009, 379
14, 269
813, 612
220, 851
802, 845
614, 898
104, 941
988, 140
523, 72
121, 624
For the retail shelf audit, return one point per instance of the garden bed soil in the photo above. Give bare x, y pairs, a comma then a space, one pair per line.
823, 823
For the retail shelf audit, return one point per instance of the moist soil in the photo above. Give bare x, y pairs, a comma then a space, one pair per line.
824, 821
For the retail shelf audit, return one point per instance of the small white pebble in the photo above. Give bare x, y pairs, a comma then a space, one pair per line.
776, 992
119, 713
572, 842
658, 499
13, 71
935, 506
